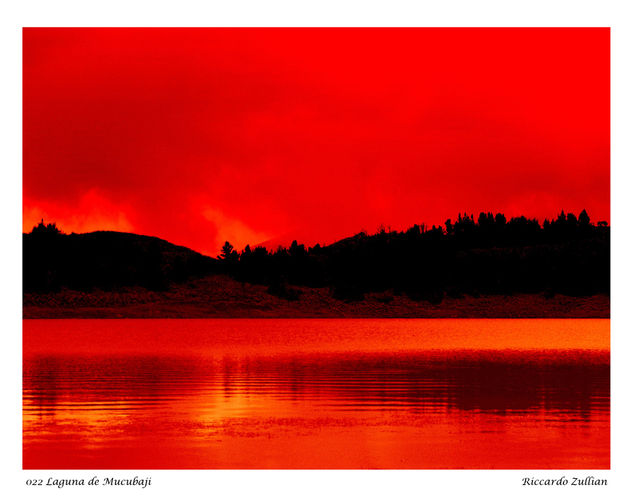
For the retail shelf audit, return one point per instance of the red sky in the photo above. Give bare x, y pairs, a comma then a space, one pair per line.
202, 135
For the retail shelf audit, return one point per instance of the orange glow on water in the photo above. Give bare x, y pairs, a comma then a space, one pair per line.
272, 336
258, 394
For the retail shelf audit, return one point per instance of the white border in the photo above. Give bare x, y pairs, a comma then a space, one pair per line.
324, 13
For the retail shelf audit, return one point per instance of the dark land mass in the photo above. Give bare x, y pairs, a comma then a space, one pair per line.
487, 267
221, 296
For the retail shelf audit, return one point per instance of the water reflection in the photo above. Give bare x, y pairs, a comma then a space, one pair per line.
424, 409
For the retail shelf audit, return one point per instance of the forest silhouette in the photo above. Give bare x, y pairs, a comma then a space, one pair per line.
487, 255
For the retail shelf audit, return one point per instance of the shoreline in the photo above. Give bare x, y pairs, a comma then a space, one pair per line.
222, 297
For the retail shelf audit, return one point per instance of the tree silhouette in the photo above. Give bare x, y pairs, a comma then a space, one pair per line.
48, 229
583, 218
227, 253
572, 221
500, 219
450, 229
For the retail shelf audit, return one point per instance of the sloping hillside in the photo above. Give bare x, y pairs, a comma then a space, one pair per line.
106, 260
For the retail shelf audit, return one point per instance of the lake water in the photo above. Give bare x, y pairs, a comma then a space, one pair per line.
316, 393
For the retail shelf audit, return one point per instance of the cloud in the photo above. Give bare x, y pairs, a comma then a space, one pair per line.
233, 230
93, 212
198, 136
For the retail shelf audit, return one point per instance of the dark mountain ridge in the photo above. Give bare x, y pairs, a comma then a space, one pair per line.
490, 256
106, 260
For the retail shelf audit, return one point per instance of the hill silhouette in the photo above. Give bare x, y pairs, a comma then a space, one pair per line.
105, 260
489, 255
